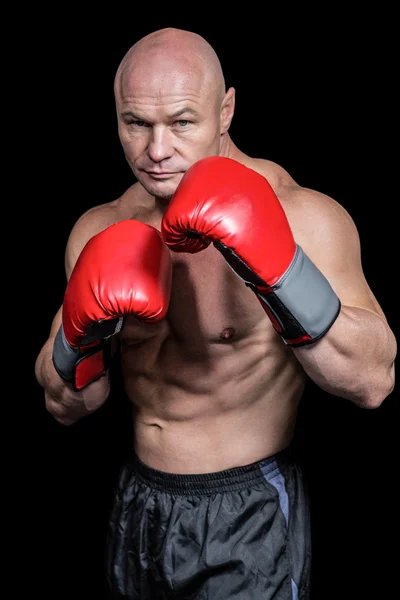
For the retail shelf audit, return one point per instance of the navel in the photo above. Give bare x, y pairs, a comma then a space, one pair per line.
227, 333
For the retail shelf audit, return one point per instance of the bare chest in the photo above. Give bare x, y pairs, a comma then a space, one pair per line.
208, 301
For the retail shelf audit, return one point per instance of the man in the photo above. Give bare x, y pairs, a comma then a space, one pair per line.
226, 285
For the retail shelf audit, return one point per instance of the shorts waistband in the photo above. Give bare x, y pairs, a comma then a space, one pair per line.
233, 479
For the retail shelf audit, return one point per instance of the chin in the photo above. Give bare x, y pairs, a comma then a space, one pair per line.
162, 189
164, 197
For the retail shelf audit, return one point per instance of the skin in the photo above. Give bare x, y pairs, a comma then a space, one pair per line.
213, 379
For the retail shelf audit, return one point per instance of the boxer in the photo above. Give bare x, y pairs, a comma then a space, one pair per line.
226, 286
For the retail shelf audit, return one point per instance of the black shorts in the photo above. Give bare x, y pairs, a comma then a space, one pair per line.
238, 534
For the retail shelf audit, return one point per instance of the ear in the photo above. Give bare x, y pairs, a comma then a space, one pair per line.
227, 110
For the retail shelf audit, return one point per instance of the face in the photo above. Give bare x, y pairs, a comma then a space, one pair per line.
166, 123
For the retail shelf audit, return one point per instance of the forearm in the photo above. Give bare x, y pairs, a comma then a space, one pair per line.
63, 403
355, 359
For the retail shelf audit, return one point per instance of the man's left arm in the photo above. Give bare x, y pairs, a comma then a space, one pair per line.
302, 262
355, 358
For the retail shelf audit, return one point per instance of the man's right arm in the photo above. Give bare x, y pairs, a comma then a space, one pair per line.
63, 403
125, 269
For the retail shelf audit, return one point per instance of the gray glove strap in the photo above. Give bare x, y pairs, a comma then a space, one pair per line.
64, 356
304, 296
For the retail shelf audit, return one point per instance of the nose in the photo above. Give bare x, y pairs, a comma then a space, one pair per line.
160, 145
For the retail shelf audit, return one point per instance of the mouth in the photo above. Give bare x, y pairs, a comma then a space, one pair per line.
160, 175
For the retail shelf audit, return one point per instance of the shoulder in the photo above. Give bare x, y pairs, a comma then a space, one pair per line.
326, 232
317, 219
89, 224
96, 219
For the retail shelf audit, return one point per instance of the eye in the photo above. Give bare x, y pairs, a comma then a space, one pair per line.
183, 122
140, 124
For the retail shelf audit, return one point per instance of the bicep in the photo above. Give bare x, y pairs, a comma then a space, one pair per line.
334, 247
344, 271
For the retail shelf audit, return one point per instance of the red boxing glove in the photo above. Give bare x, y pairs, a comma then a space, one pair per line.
222, 201
123, 270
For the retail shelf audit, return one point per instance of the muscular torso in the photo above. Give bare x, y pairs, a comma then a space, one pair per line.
213, 386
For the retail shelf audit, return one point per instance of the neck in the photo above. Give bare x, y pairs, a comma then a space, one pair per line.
229, 150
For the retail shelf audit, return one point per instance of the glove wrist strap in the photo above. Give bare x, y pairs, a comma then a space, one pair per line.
302, 304
80, 366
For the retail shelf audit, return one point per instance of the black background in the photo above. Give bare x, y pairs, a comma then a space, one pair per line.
315, 93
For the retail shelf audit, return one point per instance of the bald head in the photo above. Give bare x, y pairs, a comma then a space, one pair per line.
172, 107
171, 56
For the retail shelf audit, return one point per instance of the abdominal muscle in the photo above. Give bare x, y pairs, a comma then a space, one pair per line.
205, 410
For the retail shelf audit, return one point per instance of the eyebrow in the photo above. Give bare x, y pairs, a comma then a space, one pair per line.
178, 113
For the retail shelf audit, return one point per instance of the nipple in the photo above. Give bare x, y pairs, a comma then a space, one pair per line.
227, 333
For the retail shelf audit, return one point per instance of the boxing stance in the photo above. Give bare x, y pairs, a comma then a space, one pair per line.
219, 201
225, 286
